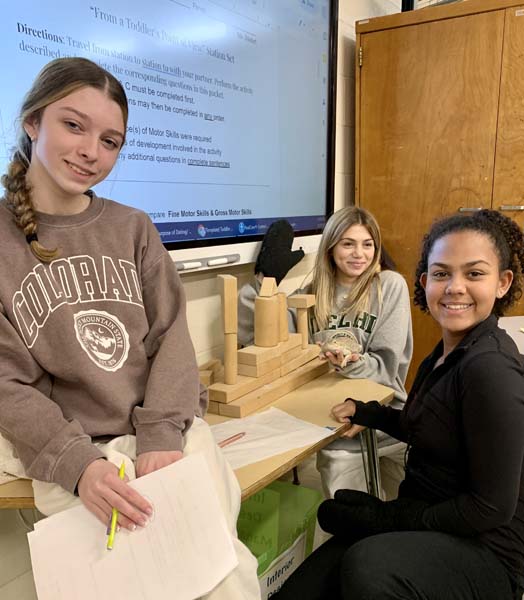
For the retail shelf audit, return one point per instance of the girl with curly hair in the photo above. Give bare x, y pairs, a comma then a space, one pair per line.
457, 529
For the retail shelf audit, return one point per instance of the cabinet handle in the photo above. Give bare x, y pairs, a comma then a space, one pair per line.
469, 209
512, 207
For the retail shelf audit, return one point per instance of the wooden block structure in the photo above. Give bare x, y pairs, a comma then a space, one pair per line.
255, 355
302, 302
259, 398
276, 364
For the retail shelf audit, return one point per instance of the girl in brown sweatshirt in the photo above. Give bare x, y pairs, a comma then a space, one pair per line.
93, 333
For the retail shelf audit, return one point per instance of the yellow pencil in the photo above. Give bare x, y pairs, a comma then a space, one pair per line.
114, 514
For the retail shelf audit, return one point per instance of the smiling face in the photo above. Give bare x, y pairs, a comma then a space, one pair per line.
353, 254
462, 283
75, 146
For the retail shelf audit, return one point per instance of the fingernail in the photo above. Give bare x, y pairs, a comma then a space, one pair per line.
132, 527
118, 528
149, 510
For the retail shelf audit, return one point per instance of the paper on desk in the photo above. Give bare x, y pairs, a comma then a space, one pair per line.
267, 433
184, 552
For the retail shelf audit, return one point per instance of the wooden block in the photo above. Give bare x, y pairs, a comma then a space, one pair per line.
213, 408
206, 377
302, 326
221, 392
311, 352
294, 340
259, 370
285, 357
228, 292
230, 358
266, 321
269, 393
301, 300
268, 287
283, 327
213, 364
254, 355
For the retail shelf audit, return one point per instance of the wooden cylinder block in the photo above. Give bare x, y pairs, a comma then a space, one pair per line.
282, 317
230, 358
266, 321
302, 326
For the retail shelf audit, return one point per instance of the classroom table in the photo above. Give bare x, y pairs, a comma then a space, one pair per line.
311, 402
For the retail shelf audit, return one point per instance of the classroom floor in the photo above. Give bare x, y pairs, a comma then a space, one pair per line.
16, 577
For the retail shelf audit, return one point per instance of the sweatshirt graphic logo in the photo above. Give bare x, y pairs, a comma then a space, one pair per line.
103, 338
74, 280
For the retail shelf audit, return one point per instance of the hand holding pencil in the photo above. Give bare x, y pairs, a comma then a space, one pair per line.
114, 513
101, 489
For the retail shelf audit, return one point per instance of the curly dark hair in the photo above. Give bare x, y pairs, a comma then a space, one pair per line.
507, 238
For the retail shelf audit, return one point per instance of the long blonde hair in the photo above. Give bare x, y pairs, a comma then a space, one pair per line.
325, 270
56, 80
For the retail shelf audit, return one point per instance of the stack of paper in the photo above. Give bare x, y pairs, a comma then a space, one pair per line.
183, 553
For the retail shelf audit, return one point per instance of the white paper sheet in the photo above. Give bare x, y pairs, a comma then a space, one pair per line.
183, 553
266, 434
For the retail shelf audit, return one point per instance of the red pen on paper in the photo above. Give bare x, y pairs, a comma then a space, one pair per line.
231, 439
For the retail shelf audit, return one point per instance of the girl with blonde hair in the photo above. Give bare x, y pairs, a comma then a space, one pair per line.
358, 297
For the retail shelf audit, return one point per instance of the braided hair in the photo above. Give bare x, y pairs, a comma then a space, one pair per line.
56, 80
507, 239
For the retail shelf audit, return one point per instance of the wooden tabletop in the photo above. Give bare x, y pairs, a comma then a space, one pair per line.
311, 402
17, 494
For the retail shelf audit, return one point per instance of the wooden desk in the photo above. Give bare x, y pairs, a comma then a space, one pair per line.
312, 402
17, 494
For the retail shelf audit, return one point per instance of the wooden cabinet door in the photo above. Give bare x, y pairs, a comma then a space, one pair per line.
508, 185
427, 100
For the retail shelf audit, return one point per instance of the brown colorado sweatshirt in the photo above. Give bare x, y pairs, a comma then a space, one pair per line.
93, 344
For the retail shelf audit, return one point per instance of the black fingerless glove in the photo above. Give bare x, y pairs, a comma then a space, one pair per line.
275, 258
354, 513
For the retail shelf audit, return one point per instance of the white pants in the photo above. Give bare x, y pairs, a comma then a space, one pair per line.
340, 465
242, 583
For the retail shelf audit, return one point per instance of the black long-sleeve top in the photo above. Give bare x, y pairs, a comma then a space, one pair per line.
464, 425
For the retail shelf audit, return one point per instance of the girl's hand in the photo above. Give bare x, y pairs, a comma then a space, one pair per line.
338, 359
152, 461
342, 413
101, 490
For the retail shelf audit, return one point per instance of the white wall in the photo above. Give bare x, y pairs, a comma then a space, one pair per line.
203, 308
